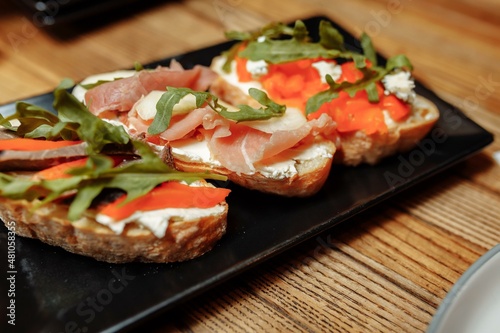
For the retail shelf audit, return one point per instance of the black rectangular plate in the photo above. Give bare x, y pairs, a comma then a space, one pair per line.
56, 291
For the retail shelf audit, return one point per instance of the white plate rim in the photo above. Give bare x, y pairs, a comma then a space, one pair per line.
445, 307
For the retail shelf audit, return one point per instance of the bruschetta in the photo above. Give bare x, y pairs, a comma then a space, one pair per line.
265, 147
115, 208
375, 107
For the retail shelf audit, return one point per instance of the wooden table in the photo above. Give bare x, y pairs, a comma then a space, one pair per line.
389, 268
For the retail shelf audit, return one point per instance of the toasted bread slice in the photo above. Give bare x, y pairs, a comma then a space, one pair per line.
357, 147
298, 172
186, 237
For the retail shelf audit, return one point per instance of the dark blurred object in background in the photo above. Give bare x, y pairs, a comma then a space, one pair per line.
53, 14
45, 13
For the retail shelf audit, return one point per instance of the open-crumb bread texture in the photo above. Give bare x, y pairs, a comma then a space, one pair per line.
184, 239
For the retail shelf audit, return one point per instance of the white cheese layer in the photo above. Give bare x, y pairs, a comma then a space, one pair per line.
292, 119
280, 167
146, 106
157, 221
194, 150
284, 165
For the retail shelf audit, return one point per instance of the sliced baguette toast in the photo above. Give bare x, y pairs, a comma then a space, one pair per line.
298, 172
185, 238
114, 208
374, 103
357, 147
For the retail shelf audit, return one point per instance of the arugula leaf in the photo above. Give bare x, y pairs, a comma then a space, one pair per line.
368, 48
277, 30
93, 130
278, 51
275, 49
247, 112
272, 30
46, 131
329, 37
238, 35
84, 198
6, 124
165, 107
371, 76
286, 44
371, 90
398, 61
73, 122
367, 82
283, 43
138, 66
135, 178
315, 102
16, 187
300, 32
31, 117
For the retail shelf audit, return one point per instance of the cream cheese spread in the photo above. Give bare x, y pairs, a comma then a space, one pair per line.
157, 221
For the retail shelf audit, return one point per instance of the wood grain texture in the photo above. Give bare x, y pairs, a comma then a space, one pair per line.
386, 270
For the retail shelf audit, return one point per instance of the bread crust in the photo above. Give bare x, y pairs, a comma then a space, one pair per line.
309, 179
357, 147
185, 239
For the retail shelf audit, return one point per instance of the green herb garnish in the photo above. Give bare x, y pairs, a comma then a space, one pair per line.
136, 178
165, 106
72, 122
278, 43
367, 82
281, 43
